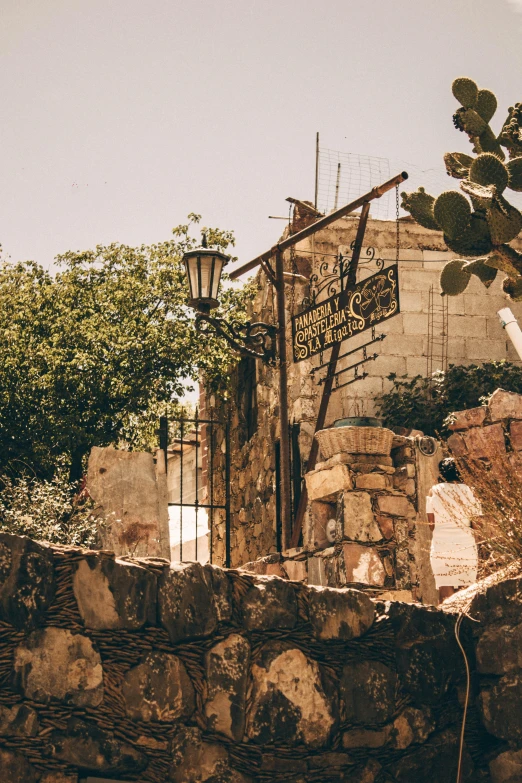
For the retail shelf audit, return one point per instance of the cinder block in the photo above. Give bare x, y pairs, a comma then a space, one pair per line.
414, 301
415, 323
485, 350
404, 345
465, 326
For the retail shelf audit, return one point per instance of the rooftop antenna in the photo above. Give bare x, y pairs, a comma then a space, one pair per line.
338, 179
316, 167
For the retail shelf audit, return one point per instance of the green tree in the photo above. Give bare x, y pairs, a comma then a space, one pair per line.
91, 354
425, 403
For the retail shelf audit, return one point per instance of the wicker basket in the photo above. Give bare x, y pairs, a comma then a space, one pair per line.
354, 440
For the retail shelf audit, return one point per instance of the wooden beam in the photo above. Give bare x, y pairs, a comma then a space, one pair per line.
293, 239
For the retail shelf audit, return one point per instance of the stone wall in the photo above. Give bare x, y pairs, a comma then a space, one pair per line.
489, 431
143, 671
475, 335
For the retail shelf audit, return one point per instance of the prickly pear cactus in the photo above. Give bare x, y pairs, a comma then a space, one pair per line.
479, 222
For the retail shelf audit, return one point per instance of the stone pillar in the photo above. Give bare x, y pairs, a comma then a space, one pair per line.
372, 499
129, 490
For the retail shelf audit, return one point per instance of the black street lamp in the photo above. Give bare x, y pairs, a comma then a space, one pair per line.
204, 266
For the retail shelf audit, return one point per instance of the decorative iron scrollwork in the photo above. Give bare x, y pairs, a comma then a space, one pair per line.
250, 339
333, 281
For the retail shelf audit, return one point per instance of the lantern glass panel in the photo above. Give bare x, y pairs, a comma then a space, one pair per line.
206, 266
218, 268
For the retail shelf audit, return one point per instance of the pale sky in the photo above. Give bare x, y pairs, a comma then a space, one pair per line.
121, 116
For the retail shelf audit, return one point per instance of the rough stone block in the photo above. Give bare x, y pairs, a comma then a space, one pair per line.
222, 589
472, 417
269, 603
26, 580
86, 746
58, 777
486, 441
296, 570
368, 690
439, 756
386, 526
515, 435
507, 767
316, 571
56, 664
287, 683
505, 405
340, 614
227, 668
195, 761
372, 481
114, 594
363, 565
16, 769
405, 596
358, 519
159, 689
326, 485
366, 738
396, 506
187, 609
18, 721
457, 445
499, 650
500, 706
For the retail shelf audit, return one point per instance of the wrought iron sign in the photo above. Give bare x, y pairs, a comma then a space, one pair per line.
346, 314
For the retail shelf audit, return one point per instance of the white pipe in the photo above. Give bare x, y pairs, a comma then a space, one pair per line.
513, 330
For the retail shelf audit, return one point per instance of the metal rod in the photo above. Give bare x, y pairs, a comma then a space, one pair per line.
371, 358
181, 493
292, 240
316, 168
197, 488
210, 453
227, 491
349, 353
348, 383
286, 510
327, 390
337, 181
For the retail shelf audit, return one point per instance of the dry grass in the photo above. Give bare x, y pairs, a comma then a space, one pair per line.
497, 484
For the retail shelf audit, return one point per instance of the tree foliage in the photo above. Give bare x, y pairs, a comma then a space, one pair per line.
424, 403
48, 510
90, 355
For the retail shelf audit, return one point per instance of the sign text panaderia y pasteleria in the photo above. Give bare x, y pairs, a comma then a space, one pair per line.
346, 314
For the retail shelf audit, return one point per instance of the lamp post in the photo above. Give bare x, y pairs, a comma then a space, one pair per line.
204, 266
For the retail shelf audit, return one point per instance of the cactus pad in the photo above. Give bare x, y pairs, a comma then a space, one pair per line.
487, 169
504, 221
488, 142
454, 278
475, 241
465, 91
486, 274
486, 104
420, 206
511, 133
507, 259
481, 195
452, 212
457, 164
514, 168
513, 288
469, 121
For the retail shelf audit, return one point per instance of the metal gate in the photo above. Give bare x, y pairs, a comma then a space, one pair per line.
197, 461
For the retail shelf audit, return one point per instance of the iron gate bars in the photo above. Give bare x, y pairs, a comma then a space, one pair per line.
198, 478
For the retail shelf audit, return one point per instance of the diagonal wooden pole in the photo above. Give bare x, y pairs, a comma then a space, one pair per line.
330, 374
